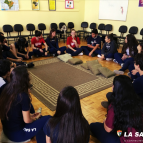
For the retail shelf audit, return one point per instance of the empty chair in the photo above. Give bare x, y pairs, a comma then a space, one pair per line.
141, 33
19, 28
42, 28
133, 30
108, 28
84, 25
70, 25
101, 27
54, 26
8, 29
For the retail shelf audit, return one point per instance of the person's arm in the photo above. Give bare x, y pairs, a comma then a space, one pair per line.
107, 129
103, 49
46, 46
68, 45
57, 44
77, 43
49, 43
26, 117
14, 60
48, 140
95, 47
32, 45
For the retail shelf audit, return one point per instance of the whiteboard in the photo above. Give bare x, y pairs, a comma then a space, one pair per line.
113, 9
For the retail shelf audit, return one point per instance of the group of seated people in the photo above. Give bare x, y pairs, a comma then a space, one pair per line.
68, 125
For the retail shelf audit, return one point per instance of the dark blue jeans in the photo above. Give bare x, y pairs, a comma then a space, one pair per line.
30, 54
87, 50
118, 57
99, 132
54, 50
78, 51
38, 53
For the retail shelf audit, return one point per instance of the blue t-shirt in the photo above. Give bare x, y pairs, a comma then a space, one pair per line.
21, 50
94, 41
5, 48
138, 86
52, 43
15, 120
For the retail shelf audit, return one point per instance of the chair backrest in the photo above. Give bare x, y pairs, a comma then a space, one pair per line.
61, 25
123, 29
92, 26
84, 24
108, 27
70, 25
30, 27
141, 32
18, 28
7, 28
101, 26
133, 30
41, 26
54, 26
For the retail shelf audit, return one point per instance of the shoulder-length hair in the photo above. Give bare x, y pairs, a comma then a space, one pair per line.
50, 35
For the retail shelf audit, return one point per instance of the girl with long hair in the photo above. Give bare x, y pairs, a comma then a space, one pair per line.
109, 48
128, 52
125, 113
68, 125
73, 43
20, 46
36, 43
52, 42
15, 108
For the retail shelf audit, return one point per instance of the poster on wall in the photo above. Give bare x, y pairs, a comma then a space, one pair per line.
9, 5
35, 5
52, 5
113, 9
69, 4
140, 3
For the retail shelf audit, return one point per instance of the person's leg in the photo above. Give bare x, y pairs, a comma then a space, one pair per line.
63, 49
68, 50
41, 137
117, 57
99, 132
29, 131
111, 55
86, 50
30, 55
78, 51
126, 65
53, 51
97, 51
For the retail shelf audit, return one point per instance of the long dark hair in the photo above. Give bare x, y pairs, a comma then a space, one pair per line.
21, 43
110, 36
19, 83
127, 105
50, 35
1, 56
132, 43
73, 127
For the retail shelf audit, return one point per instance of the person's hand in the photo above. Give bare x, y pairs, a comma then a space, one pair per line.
19, 60
41, 50
124, 57
74, 40
102, 57
134, 72
74, 50
35, 115
45, 53
26, 56
58, 52
90, 53
139, 49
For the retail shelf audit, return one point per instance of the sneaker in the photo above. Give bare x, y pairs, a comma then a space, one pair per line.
39, 110
80, 54
109, 59
129, 74
122, 64
104, 104
70, 54
114, 60
118, 72
99, 56
30, 65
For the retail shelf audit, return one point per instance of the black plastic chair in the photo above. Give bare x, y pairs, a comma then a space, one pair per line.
92, 26
108, 28
42, 28
81, 33
63, 36
133, 30
141, 33
8, 29
30, 27
54, 26
101, 27
19, 28
70, 26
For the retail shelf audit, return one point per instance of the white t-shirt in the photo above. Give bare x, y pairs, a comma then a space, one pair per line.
2, 82
128, 52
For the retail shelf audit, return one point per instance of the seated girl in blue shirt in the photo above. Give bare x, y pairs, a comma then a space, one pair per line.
68, 125
52, 42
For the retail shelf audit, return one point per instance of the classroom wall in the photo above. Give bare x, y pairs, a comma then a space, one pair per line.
26, 15
133, 16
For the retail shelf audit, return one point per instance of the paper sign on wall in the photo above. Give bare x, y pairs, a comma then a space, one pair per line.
52, 5
140, 3
69, 4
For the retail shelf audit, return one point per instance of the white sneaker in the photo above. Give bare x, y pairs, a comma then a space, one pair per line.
122, 64
118, 72
99, 56
80, 54
109, 59
114, 60
70, 54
